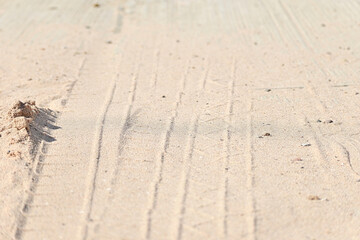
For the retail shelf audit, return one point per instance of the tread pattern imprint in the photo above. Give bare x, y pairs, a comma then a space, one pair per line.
169, 135
176, 160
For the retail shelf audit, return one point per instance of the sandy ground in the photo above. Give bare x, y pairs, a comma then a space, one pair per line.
202, 119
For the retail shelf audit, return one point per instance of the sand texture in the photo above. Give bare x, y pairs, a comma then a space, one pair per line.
180, 119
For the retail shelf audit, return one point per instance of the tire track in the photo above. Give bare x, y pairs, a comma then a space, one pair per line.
25, 208
161, 159
335, 142
119, 20
319, 146
205, 76
345, 150
39, 161
186, 176
250, 181
227, 150
309, 86
73, 84
159, 173
94, 162
318, 143
122, 137
154, 77
41, 155
195, 194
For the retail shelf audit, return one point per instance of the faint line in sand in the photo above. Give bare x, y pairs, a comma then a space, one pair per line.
154, 77
161, 158
250, 177
94, 162
227, 150
186, 176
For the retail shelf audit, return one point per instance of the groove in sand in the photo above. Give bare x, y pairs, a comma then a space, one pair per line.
94, 162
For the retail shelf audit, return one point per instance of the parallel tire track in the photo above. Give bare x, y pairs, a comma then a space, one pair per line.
94, 162
161, 159
227, 150
39, 161
250, 178
121, 143
186, 176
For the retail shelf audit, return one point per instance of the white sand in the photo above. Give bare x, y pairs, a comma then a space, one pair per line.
181, 119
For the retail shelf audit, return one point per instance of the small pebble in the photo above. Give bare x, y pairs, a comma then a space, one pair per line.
305, 144
313, 197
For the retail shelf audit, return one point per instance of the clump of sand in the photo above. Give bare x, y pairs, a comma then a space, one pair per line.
15, 127
26, 109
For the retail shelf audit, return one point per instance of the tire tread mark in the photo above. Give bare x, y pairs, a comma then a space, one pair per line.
186, 176
161, 159
94, 162
309, 86
226, 149
154, 77
346, 152
25, 207
318, 144
205, 75
251, 203
188, 166
306, 43
73, 84
35, 174
118, 22
122, 136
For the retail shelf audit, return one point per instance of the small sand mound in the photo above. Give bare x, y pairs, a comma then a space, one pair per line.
23, 109
22, 114
16, 125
